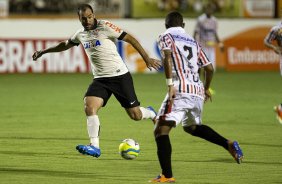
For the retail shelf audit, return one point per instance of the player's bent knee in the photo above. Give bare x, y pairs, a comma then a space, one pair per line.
92, 105
167, 123
163, 127
88, 111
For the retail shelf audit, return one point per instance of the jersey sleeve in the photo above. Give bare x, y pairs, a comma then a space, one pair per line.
165, 42
113, 31
74, 38
203, 59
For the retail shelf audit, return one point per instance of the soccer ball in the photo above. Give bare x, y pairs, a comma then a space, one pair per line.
129, 149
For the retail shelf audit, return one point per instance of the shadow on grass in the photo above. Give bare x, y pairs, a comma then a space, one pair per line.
63, 174
220, 160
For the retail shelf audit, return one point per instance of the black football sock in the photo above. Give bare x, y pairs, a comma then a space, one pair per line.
164, 154
207, 133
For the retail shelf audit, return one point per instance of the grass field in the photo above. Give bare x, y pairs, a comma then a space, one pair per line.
42, 120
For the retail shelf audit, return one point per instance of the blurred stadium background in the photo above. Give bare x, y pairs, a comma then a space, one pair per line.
27, 25
41, 107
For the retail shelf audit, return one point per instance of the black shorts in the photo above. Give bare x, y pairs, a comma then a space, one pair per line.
121, 86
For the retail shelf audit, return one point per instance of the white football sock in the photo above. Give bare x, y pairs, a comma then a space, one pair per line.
147, 114
93, 127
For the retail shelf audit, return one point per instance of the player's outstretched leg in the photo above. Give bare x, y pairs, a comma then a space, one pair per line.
207, 133
88, 150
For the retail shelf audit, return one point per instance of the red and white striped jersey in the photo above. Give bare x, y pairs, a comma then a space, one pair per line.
206, 28
187, 58
275, 34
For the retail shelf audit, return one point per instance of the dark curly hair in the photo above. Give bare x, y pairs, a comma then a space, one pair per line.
174, 19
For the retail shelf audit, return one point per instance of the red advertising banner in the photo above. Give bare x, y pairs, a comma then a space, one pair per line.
246, 52
16, 57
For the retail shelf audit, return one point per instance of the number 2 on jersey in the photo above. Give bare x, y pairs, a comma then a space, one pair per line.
190, 53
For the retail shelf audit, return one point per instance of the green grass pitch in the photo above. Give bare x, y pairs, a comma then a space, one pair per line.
42, 120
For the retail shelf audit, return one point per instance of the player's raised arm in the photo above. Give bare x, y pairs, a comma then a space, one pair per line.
168, 74
62, 46
150, 62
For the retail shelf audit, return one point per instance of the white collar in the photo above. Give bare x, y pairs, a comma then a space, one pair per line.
178, 29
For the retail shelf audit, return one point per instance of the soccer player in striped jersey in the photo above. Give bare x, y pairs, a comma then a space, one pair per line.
111, 76
273, 40
206, 33
182, 57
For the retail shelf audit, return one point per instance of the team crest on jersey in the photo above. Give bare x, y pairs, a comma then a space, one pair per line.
91, 44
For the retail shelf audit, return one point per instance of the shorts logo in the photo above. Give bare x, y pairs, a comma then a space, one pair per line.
91, 44
131, 103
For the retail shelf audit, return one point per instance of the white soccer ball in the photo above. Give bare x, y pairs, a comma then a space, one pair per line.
129, 149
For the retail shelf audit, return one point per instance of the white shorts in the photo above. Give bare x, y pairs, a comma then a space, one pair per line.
185, 109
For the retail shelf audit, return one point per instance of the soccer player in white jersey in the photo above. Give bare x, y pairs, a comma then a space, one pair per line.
273, 40
182, 57
206, 33
111, 75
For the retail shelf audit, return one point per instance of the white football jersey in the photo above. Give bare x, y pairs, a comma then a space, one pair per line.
187, 58
206, 28
99, 45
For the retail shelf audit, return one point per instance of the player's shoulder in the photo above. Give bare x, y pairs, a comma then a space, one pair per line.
102, 23
167, 33
160, 37
107, 25
164, 37
78, 31
276, 27
214, 18
202, 17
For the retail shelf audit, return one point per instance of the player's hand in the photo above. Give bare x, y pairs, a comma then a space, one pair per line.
221, 46
153, 63
36, 55
208, 95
